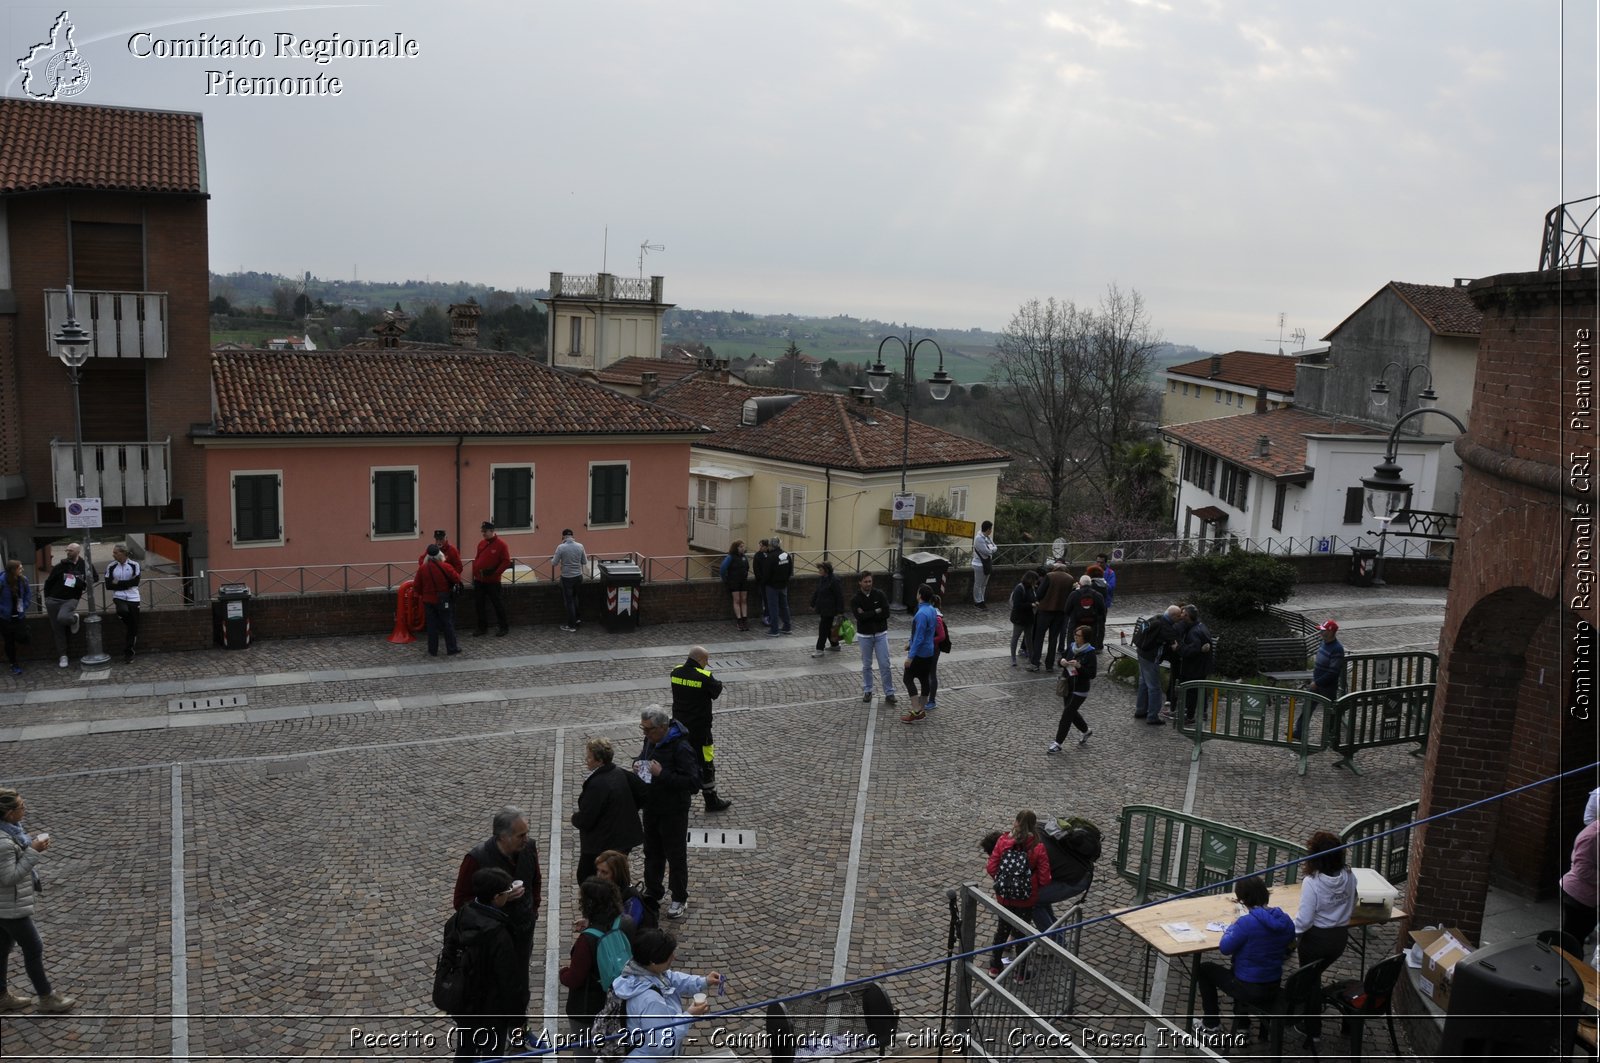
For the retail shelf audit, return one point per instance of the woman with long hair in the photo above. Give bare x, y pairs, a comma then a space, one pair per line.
16, 594
1327, 901
1020, 868
1079, 665
736, 580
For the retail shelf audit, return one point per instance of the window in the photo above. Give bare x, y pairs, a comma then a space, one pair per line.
1172, 387
705, 500
258, 508
511, 497
1186, 389
608, 494
1235, 487
1199, 468
958, 502
1352, 504
792, 509
394, 503
1277, 507
1216, 394
575, 344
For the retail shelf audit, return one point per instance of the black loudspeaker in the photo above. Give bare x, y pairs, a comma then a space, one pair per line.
1517, 1000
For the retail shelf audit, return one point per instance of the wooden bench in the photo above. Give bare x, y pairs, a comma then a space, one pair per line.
1283, 660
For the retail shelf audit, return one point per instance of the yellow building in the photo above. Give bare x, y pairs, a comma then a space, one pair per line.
599, 318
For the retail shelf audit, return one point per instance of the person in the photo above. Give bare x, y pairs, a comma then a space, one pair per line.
599, 908
607, 817
760, 566
920, 654
871, 609
1085, 606
1021, 897
1069, 876
1194, 658
612, 866
16, 595
489, 564
441, 539
570, 561
1180, 628
983, 551
1591, 808
491, 1022
122, 580
827, 598
941, 639
1162, 633
63, 589
1097, 579
19, 886
736, 580
1327, 670
1580, 886
694, 688
653, 992
780, 568
1023, 600
435, 584
1049, 617
1327, 901
666, 776
1257, 941
508, 849
1080, 664
1109, 574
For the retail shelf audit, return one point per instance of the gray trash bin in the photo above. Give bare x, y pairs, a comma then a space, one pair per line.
621, 580
919, 568
1363, 566
230, 614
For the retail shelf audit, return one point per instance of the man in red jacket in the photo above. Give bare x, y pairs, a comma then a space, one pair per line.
434, 582
441, 539
488, 566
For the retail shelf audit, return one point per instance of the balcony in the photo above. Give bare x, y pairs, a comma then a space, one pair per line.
607, 287
120, 324
119, 474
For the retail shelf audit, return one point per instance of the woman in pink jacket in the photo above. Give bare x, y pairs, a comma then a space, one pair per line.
1020, 868
1580, 888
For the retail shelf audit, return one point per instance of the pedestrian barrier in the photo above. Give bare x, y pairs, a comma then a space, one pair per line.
1369, 671
1259, 715
1385, 716
1175, 852
408, 614
1371, 846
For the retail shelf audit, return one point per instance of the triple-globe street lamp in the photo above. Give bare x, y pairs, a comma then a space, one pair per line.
72, 347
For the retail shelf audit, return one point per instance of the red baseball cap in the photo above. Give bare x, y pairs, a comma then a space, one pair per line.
1328, 625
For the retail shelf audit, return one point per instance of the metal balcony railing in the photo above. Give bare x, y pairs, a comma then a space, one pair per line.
120, 324
119, 474
1570, 235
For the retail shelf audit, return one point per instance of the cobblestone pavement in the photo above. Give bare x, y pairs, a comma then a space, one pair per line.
319, 823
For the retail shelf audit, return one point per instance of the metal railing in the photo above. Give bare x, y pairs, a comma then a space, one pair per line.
1257, 715
1371, 844
1177, 852
1388, 716
119, 474
1569, 240
120, 324
1381, 669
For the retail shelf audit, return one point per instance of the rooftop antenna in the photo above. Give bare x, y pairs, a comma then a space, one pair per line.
605, 246
644, 248
1297, 336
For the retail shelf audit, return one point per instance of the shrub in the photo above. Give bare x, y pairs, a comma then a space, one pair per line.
1124, 669
1235, 655
1237, 584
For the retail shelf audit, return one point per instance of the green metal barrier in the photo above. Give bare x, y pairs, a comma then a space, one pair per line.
1387, 855
1175, 852
1260, 715
1370, 671
1386, 716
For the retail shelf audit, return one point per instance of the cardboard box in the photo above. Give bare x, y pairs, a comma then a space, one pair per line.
1441, 951
1375, 897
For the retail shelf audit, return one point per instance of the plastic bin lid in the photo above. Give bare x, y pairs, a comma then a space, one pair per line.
233, 590
621, 568
923, 558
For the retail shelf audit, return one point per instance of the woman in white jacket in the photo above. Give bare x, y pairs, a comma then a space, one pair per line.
1327, 900
19, 884
654, 994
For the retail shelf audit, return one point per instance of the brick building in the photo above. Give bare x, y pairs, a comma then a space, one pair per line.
113, 202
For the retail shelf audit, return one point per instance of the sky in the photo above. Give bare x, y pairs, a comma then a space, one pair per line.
932, 162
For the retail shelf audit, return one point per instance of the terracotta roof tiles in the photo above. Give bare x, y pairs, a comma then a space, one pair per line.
1445, 309
1235, 439
1247, 369
50, 145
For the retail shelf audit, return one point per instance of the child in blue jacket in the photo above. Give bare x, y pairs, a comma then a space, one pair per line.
1258, 941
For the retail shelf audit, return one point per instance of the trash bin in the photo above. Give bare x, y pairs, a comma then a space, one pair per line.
621, 580
1363, 566
230, 611
919, 568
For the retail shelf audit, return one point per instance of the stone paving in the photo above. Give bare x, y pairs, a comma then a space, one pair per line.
320, 824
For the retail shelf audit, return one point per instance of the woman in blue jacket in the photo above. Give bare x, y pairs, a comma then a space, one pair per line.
654, 993
920, 657
1258, 941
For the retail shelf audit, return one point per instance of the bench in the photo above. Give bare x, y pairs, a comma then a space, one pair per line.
1283, 660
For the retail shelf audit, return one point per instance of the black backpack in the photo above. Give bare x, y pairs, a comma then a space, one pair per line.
1145, 632
1013, 876
611, 1038
452, 972
1080, 837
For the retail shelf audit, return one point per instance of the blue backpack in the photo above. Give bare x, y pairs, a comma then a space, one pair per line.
613, 950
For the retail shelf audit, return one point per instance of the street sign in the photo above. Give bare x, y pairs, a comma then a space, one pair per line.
83, 513
904, 507
960, 529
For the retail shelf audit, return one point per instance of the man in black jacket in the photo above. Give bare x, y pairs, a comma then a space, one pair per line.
512, 851
666, 776
62, 590
780, 568
694, 688
870, 607
496, 1010
607, 817
760, 568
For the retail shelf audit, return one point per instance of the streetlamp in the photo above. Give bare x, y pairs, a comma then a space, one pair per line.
939, 387
72, 347
1387, 491
1379, 394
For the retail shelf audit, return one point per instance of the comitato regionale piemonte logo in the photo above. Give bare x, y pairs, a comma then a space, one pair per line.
55, 69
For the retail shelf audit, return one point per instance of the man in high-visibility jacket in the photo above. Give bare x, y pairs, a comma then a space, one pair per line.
694, 688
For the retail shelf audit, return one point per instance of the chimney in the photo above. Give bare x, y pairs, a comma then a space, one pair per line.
1261, 399
1462, 282
647, 385
722, 370
1263, 445
464, 324
1216, 366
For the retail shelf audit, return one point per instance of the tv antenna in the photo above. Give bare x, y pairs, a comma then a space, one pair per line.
1297, 336
646, 248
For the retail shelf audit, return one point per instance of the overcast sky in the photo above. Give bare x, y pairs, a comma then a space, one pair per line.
929, 161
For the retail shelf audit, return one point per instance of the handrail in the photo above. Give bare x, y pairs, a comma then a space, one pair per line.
1569, 243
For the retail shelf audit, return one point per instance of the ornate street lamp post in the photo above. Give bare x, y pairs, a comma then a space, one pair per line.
878, 378
72, 347
1387, 491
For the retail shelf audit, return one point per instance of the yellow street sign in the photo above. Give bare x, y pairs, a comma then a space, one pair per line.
961, 529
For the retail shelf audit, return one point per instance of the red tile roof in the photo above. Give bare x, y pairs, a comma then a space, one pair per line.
64, 145
1246, 368
820, 429
628, 370
1445, 309
1235, 438
409, 392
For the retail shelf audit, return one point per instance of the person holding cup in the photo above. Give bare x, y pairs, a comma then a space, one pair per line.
1079, 665
654, 992
19, 884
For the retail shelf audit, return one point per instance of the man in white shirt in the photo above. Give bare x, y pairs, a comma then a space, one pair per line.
983, 549
570, 561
